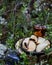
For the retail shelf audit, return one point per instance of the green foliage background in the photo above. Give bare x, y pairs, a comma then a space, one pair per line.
17, 25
